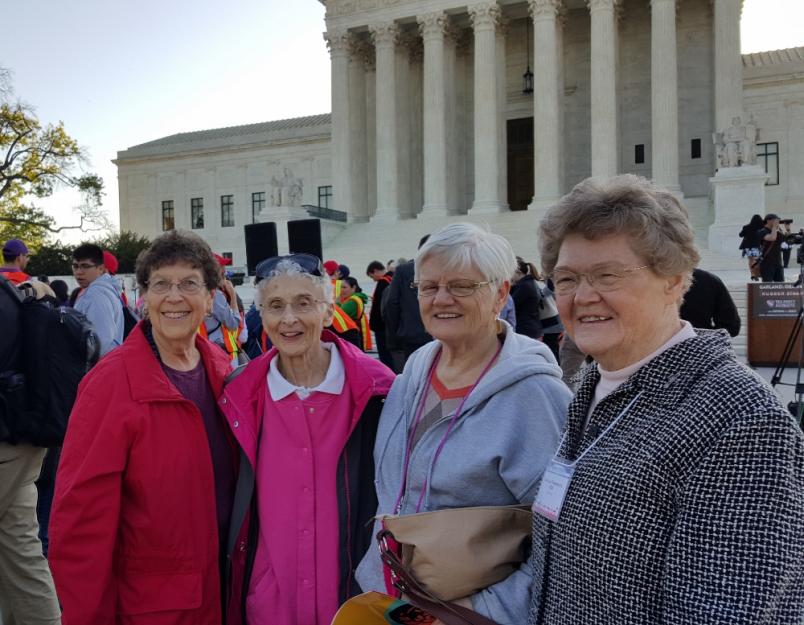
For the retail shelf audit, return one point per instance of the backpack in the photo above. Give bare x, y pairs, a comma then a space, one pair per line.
58, 347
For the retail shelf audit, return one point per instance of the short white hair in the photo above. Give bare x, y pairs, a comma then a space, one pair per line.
460, 246
294, 270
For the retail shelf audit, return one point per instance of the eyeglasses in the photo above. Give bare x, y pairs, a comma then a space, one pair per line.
300, 306
188, 286
456, 288
309, 264
603, 279
83, 266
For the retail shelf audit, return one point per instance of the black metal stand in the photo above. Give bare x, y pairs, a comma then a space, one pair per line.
796, 407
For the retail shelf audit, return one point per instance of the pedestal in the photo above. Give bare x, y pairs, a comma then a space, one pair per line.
738, 193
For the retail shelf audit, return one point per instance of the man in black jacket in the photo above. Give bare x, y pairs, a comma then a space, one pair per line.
382, 278
708, 304
403, 321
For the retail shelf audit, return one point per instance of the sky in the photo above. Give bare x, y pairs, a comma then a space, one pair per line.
119, 73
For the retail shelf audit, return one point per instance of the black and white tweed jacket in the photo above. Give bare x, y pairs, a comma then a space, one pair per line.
689, 511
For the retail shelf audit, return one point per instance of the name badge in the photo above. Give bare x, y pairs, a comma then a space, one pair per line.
553, 489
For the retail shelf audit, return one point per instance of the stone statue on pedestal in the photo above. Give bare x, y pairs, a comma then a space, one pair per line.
736, 146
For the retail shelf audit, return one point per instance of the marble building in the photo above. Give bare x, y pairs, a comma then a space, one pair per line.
431, 118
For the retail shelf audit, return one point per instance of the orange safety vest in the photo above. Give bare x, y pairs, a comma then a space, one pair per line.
336, 289
231, 342
341, 322
362, 321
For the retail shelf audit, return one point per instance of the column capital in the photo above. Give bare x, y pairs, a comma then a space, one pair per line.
338, 41
540, 9
485, 15
384, 34
433, 25
601, 5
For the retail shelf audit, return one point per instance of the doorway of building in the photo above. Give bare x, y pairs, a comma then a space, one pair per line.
520, 162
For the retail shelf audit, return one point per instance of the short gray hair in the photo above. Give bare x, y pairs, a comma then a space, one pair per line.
653, 217
294, 270
463, 245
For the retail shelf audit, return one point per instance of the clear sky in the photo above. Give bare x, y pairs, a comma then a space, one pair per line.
119, 73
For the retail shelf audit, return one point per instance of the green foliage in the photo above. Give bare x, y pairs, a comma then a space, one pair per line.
53, 259
126, 246
20, 222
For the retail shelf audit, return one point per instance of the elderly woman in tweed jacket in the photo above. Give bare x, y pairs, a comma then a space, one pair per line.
677, 493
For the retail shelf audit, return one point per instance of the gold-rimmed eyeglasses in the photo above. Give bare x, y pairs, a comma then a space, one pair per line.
602, 279
456, 288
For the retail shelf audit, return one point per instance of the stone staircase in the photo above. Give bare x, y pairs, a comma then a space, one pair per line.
379, 239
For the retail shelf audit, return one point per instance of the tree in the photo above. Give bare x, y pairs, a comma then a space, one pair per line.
52, 259
34, 161
126, 246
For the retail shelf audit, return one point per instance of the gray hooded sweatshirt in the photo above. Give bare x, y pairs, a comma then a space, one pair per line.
508, 430
101, 304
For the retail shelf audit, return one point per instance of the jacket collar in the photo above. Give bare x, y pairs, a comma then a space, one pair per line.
147, 380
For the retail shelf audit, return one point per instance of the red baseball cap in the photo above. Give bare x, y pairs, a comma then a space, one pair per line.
110, 261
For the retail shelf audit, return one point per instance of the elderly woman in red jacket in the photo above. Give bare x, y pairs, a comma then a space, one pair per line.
148, 468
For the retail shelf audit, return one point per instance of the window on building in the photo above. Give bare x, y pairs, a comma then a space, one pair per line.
168, 220
257, 204
639, 153
768, 157
325, 197
197, 213
227, 211
695, 148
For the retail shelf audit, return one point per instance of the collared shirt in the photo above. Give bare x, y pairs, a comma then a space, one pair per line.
279, 387
296, 573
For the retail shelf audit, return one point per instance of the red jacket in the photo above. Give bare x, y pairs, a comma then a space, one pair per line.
133, 530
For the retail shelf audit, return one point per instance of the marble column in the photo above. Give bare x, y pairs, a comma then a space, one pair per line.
664, 94
604, 86
342, 190
728, 63
357, 128
485, 20
371, 130
385, 36
433, 29
547, 94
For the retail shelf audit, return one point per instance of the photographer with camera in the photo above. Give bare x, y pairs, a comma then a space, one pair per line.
771, 238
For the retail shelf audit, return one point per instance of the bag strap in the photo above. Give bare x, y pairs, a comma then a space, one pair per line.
447, 612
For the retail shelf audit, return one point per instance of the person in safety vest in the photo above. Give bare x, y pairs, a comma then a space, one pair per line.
353, 302
15, 258
225, 325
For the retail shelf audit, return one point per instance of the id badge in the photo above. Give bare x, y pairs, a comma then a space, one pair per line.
553, 489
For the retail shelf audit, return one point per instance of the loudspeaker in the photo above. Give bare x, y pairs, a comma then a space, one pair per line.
304, 237
260, 243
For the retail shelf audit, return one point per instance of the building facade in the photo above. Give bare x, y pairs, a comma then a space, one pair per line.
489, 107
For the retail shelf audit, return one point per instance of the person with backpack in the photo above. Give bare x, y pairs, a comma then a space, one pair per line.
26, 586
15, 259
100, 299
146, 478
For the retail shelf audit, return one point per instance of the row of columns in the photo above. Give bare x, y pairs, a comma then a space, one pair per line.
350, 145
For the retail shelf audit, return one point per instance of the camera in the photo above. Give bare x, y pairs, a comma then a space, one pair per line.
786, 222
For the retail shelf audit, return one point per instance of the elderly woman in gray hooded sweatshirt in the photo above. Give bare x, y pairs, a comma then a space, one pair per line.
476, 413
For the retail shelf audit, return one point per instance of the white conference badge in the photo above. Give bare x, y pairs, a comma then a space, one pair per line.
553, 489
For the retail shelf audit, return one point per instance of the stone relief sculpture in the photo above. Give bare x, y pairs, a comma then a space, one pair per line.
736, 145
276, 192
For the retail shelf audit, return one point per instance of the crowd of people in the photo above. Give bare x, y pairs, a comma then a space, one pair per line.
224, 465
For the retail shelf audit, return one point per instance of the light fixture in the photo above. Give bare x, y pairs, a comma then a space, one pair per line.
527, 77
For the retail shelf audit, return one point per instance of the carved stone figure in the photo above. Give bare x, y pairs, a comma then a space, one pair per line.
276, 192
748, 146
736, 146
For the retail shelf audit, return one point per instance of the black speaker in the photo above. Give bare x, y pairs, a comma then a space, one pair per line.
260, 243
304, 237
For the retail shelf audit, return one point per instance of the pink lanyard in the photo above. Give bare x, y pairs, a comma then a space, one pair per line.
417, 419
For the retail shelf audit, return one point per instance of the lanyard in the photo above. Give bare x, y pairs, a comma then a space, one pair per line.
623, 412
417, 419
